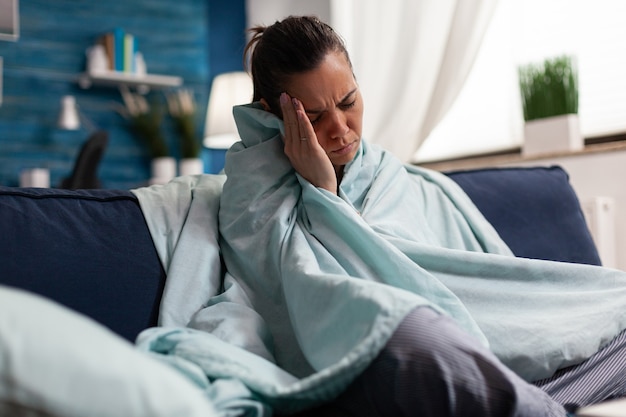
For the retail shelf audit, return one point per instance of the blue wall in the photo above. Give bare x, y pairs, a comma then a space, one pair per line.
193, 39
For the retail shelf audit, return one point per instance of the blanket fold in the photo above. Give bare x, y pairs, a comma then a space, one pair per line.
315, 283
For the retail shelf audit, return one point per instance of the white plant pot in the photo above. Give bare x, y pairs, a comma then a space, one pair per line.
552, 135
163, 169
35, 177
191, 166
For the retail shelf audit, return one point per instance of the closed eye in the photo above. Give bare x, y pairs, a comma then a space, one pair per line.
316, 120
342, 106
346, 106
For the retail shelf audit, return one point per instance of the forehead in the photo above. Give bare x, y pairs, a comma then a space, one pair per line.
331, 80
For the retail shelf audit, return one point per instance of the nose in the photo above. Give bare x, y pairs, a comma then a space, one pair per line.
338, 125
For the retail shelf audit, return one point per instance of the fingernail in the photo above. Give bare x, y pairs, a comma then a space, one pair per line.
283, 98
294, 101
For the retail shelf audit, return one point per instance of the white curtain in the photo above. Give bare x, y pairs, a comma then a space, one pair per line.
411, 58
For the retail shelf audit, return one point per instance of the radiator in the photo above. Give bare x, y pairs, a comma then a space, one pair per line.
600, 216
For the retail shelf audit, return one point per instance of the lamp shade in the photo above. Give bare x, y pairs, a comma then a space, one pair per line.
227, 90
68, 116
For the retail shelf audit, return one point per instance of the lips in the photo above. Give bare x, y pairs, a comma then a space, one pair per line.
345, 150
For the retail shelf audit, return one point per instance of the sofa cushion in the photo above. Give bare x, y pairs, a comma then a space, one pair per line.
54, 363
87, 249
535, 210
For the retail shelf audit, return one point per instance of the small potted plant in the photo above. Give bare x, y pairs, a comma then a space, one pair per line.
182, 109
146, 119
549, 93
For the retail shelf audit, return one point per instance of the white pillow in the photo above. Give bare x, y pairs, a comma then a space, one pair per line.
55, 362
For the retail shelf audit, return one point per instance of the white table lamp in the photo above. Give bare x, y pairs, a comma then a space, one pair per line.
227, 90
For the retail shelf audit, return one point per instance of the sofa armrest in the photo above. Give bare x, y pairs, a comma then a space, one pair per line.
534, 209
87, 249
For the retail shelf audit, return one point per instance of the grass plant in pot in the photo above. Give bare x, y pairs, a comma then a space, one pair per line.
182, 109
146, 119
550, 101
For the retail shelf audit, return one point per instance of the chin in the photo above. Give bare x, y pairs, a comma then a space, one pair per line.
344, 159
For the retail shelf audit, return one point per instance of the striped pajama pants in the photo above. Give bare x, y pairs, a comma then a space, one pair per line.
599, 378
431, 368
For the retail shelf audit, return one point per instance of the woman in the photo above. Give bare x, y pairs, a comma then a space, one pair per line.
384, 280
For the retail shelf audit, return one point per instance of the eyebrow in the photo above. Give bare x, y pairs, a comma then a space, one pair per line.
316, 111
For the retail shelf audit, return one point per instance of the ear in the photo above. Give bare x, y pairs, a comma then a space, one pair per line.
266, 106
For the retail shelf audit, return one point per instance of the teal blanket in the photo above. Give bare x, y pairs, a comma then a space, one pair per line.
314, 284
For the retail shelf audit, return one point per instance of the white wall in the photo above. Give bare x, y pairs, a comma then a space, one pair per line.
265, 12
598, 175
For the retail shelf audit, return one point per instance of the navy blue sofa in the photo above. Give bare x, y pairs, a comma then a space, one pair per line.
91, 249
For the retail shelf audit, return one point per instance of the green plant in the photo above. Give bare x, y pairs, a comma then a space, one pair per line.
549, 88
182, 109
148, 127
145, 120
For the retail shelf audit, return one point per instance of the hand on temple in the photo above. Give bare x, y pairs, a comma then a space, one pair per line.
302, 147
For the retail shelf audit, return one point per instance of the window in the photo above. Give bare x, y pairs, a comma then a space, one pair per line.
487, 115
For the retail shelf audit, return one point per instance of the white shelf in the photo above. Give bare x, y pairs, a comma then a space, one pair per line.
118, 78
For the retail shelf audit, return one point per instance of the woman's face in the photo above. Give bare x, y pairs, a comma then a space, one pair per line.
333, 103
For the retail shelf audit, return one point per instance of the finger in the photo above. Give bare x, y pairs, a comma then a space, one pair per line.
305, 128
299, 108
307, 134
289, 118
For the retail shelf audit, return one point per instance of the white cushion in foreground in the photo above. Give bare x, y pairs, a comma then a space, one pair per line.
612, 408
54, 362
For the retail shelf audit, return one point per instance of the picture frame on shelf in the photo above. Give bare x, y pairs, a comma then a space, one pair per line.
1, 77
9, 20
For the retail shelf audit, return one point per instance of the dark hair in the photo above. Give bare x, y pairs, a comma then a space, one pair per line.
294, 45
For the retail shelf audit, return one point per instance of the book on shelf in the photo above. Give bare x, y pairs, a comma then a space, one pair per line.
129, 53
121, 50
107, 41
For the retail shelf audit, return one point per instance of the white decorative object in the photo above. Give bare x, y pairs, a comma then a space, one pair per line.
68, 118
191, 166
552, 135
140, 65
163, 170
97, 60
